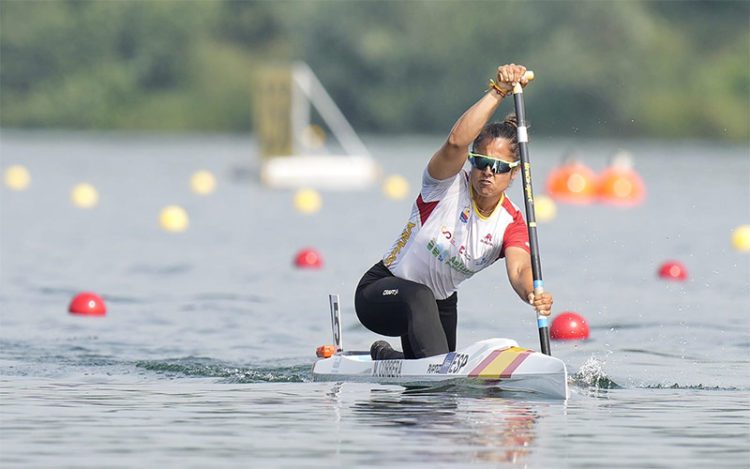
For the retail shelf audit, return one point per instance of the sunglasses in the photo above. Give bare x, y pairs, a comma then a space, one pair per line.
496, 166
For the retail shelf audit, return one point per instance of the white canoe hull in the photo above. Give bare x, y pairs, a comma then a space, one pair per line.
498, 363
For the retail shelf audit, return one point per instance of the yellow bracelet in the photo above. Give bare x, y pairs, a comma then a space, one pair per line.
498, 90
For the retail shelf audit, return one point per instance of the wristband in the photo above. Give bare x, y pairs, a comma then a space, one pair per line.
493, 86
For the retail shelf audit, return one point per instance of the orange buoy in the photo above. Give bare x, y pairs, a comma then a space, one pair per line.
620, 184
87, 304
620, 187
573, 182
325, 351
673, 270
569, 326
308, 258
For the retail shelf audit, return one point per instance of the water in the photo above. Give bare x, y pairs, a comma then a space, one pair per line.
204, 356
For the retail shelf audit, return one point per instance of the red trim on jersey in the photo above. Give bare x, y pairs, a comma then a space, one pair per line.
516, 233
425, 208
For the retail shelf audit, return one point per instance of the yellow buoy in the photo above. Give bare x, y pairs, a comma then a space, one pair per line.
84, 196
17, 177
307, 201
395, 187
544, 208
741, 238
203, 182
174, 218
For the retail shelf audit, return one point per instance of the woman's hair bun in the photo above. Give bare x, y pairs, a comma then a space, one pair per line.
508, 129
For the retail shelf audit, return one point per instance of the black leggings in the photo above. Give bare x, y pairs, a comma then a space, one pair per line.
396, 307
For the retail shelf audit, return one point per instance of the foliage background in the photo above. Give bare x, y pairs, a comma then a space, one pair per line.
667, 69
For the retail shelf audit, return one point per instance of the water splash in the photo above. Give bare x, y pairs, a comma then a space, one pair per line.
591, 376
209, 368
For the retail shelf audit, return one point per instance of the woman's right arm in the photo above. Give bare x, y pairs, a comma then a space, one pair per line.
450, 158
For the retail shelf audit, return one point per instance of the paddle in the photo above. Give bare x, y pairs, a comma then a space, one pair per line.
528, 192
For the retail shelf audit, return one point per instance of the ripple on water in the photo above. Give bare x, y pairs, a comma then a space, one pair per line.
209, 368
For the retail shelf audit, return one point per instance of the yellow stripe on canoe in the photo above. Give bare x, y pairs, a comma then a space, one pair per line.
503, 365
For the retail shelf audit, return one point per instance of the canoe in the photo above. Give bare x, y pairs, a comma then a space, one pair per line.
492, 363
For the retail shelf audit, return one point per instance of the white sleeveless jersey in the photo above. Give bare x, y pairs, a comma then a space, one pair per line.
446, 240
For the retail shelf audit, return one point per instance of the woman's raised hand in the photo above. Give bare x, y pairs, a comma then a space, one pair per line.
509, 74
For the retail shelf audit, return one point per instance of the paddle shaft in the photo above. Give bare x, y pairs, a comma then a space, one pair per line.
528, 192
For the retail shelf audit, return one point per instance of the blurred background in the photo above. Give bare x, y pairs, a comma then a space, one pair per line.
141, 140
123, 117
664, 69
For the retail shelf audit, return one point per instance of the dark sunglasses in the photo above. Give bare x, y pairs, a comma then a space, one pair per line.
496, 166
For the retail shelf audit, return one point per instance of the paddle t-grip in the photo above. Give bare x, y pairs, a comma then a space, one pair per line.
517, 88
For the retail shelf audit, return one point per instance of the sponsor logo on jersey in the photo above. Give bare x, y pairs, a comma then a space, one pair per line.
487, 239
452, 239
455, 262
403, 239
464, 217
393, 292
437, 250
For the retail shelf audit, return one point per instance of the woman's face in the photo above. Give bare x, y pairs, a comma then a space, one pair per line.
484, 181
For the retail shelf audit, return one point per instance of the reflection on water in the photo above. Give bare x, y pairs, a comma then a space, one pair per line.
471, 425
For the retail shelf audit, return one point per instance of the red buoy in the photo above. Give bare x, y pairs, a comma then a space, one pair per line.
569, 326
673, 270
87, 304
308, 258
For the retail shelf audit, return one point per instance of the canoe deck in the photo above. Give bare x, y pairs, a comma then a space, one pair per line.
497, 363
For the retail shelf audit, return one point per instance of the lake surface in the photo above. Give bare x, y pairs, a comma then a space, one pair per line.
204, 356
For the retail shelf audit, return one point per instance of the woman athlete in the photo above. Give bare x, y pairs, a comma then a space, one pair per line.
461, 223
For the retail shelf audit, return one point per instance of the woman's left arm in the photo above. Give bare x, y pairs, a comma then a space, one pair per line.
518, 265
